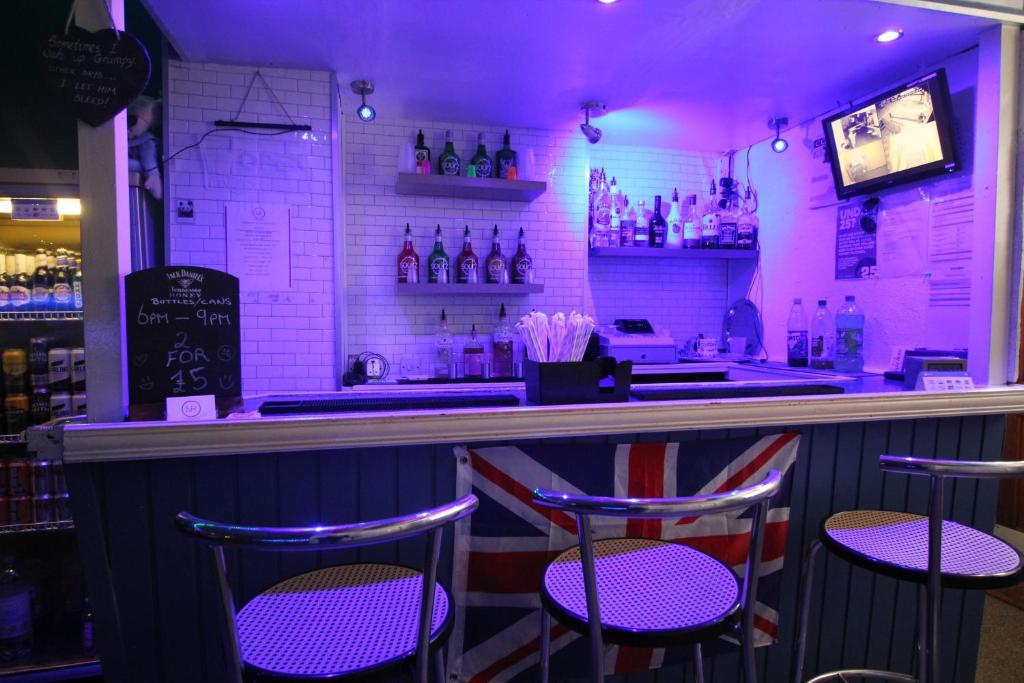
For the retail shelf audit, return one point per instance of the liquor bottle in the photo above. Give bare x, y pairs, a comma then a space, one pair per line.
502, 347
674, 236
850, 337
822, 337
709, 232
627, 230
658, 226
747, 224
496, 265
483, 164
602, 214
473, 356
442, 348
507, 160
62, 294
5, 283
438, 263
796, 336
408, 262
615, 223
449, 163
76, 282
422, 155
42, 283
692, 224
21, 284
642, 233
727, 232
467, 265
522, 263
595, 185
15, 614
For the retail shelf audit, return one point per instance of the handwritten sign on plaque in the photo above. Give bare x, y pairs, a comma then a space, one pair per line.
183, 338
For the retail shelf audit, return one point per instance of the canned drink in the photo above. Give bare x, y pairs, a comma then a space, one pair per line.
15, 366
59, 369
16, 413
60, 405
39, 407
62, 508
60, 486
19, 478
78, 403
44, 509
21, 511
42, 477
78, 369
38, 371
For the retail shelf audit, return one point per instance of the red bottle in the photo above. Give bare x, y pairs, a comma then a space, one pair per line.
522, 263
496, 265
408, 260
467, 265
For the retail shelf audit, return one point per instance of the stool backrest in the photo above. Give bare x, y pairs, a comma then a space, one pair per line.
216, 535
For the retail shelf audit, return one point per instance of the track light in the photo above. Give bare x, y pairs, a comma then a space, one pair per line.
365, 112
779, 144
591, 133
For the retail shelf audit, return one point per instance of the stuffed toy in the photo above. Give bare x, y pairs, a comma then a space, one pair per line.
143, 156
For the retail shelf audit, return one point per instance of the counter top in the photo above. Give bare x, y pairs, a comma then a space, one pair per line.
872, 400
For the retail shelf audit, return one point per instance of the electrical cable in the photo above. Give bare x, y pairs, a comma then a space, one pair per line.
211, 132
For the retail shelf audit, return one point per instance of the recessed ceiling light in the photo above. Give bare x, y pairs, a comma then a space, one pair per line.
607, 2
889, 35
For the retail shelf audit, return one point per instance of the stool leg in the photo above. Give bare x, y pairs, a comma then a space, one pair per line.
933, 660
922, 630
698, 663
804, 609
545, 643
439, 674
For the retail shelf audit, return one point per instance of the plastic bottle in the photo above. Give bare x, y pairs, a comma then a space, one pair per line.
850, 337
823, 339
796, 336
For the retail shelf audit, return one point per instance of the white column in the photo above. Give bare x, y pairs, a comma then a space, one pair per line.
106, 250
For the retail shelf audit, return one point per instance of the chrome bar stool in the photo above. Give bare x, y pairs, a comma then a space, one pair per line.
652, 593
930, 551
349, 621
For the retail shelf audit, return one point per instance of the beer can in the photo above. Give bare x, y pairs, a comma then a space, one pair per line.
20, 510
60, 404
38, 360
78, 403
59, 369
42, 477
39, 407
19, 478
15, 366
62, 507
60, 486
16, 413
44, 509
78, 369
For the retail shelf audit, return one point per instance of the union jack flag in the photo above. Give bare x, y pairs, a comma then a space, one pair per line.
502, 549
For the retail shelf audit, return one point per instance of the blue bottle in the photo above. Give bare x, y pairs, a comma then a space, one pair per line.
850, 337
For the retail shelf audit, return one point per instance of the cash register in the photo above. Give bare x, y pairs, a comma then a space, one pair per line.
635, 340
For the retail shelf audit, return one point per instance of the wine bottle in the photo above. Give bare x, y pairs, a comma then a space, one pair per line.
438, 263
449, 163
496, 265
467, 265
506, 160
480, 160
408, 261
522, 263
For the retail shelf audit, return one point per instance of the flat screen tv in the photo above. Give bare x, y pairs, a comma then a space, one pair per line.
900, 136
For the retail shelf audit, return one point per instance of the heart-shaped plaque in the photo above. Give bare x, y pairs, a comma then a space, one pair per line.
97, 73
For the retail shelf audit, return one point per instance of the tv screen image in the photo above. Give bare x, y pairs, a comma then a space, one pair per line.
902, 135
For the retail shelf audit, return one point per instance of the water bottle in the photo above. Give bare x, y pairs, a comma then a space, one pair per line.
796, 336
850, 337
822, 337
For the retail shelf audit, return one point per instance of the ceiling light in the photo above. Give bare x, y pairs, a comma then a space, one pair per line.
591, 108
779, 143
365, 112
889, 35
607, 2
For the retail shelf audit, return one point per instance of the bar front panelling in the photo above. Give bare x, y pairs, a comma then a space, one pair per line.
166, 614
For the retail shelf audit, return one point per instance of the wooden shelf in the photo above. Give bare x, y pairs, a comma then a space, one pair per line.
450, 289
653, 252
469, 188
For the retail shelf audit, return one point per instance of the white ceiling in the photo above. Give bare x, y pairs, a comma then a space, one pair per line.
695, 74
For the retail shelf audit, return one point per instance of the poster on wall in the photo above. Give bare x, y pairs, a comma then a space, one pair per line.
259, 245
856, 240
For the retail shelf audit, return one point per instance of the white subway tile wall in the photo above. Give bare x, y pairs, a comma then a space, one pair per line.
287, 334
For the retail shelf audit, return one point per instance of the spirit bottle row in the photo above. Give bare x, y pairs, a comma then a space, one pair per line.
497, 268
473, 351
504, 164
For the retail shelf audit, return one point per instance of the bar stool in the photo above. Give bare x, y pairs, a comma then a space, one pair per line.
929, 551
652, 593
350, 621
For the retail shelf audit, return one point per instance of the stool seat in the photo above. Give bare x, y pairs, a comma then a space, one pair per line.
650, 592
896, 544
338, 621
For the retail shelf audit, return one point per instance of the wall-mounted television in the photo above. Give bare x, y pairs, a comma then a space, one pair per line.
900, 136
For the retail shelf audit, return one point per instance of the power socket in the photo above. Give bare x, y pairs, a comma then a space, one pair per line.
185, 211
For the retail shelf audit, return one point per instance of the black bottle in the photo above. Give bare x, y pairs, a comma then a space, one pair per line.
505, 160
658, 226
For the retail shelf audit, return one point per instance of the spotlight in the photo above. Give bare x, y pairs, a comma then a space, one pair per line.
889, 35
779, 144
591, 133
365, 112
607, 2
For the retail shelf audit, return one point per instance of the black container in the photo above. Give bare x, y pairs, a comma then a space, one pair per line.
595, 381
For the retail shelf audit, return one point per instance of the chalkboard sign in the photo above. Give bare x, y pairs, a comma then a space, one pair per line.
97, 73
183, 338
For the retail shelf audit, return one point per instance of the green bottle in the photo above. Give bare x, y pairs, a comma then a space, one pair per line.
438, 263
449, 163
480, 160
